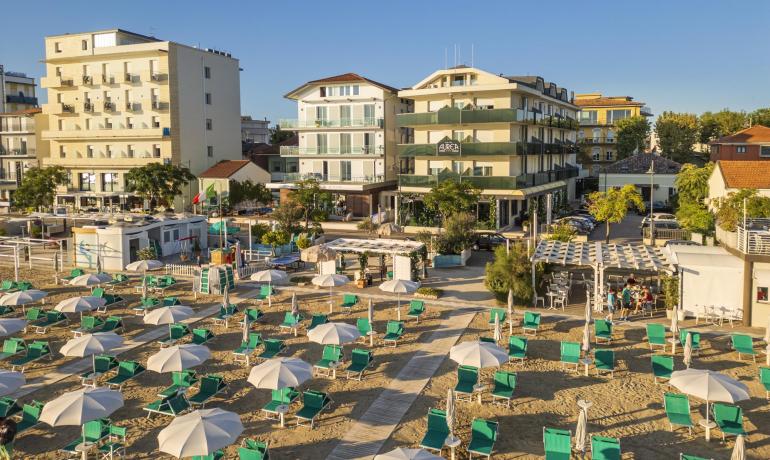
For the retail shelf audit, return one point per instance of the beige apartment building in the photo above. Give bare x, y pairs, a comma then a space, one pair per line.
119, 100
513, 137
20, 146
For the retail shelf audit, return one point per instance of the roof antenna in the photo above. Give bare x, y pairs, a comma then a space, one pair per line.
455, 56
472, 54
459, 55
446, 59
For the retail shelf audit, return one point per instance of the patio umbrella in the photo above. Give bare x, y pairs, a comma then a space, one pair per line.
11, 381
144, 287
674, 329
498, 335
407, 454
22, 297
270, 277
688, 350
200, 433
278, 373
330, 281
226, 297
144, 265
478, 354
10, 326
90, 279
586, 346
168, 315
450, 412
370, 317
739, 451
91, 345
399, 287
709, 386
178, 358
581, 431
294, 305
334, 334
388, 229
510, 311
318, 253
80, 304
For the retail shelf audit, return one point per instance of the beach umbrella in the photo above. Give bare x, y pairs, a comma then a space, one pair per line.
200, 433
388, 229
270, 277
688, 350
581, 431
22, 297
510, 311
10, 326
91, 345
586, 346
226, 297
80, 304
399, 287
178, 358
739, 451
450, 412
709, 386
330, 281
334, 334
90, 279
168, 315
294, 305
498, 335
144, 265
318, 253
144, 287
370, 317
11, 381
279, 373
478, 354
407, 454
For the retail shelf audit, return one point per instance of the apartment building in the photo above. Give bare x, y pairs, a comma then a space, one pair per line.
748, 144
119, 100
255, 131
513, 137
347, 140
598, 132
17, 91
20, 145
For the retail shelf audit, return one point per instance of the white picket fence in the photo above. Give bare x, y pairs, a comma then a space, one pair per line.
189, 271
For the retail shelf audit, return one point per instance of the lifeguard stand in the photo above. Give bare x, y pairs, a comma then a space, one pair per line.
214, 278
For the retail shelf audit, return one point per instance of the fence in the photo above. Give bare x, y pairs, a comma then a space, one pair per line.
753, 241
190, 271
668, 234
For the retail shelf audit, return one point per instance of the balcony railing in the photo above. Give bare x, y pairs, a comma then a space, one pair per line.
488, 149
21, 100
17, 152
292, 177
598, 140
293, 150
489, 182
456, 116
293, 123
754, 238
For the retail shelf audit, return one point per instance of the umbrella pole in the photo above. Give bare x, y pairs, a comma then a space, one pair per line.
331, 301
398, 305
270, 294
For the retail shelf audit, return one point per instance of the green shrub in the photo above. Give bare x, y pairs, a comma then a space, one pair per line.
430, 292
300, 279
512, 271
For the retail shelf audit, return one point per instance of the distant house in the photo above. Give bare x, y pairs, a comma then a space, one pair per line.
268, 157
731, 176
634, 170
222, 174
750, 144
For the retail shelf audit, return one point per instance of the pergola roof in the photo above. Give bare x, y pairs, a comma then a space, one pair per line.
375, 246
624, 256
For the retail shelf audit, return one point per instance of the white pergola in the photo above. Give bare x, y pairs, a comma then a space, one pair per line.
375, 246
600, 256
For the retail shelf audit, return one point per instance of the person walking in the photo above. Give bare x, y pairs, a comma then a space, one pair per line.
612, 301
625, 302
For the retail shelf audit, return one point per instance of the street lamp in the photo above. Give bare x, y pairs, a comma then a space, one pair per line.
651, 172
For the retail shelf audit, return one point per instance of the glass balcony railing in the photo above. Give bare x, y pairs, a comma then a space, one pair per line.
487, 149
292, 177
489, 182
21, 100
293, 123
293, 150
454, 116
598, 140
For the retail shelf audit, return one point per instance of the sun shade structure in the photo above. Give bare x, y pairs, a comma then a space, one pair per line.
278, 373
334, 334
10, 326
80, 304
378, 246
178, 358
200, 433
168, 315
22, 297
90, 279
144, 265
478, 354
81, 406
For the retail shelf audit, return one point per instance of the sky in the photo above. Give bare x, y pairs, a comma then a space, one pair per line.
685, 56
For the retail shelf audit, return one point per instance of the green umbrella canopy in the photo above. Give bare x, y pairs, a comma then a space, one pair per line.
217, 228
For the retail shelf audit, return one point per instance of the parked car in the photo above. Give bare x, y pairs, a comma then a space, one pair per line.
661, 225
582, 213
657, 206
681, 243
579, 225
488, 241
659, 216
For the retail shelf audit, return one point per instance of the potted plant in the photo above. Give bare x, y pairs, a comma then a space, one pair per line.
363, 262
671, 295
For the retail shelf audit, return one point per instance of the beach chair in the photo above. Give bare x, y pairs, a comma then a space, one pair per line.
111, 324
313, 402
332, 355
265, 291
744, 345
349, 301
52, 318
602, 330
30, 416
93, 431
210, 386
273, 347
695, 339
517, 348
127, 370
22, 286
217, 455
290, 322
467, 379
87, 325
7, 285
504, 385
364, 328
496, 313
12, 347
437, 432
416, 309
604, 448
360, 360
163, 282
74, 273
111, 299
570, 354
34, 314
181, 381
254, 315
36, 351
393, 332
764, 379
483, 437
224, 315
283, 397
247, 348
201, 336
6, 310
117, 279
9, 406
317, 320
253, 450
692, 457
656, 335
102, 365
531, 322
146, 304
729, 419
170, 301
173, 406
604, 361
662, 367
176, 332
677, 408
115, 444
557, 443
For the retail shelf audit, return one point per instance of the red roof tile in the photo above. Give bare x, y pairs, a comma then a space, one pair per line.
34, 111
605, 101
224, 169
346, 77
755, 135
745, 173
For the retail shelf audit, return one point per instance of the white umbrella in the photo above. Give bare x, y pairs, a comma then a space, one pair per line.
330, 281
709, 386
581, 431
22, 297
11, 381
478, 354
200, 433
144, 287
144, 265
318, 253
226, 297
688, 350
586, 346
294, 305
510, 311
10, 326
168, 315
370, 317
450, 412
91, 345
278, 373
334, 333
90, 279
80, 304
407, 454
498, 335
399, 287
739, 451
178, 358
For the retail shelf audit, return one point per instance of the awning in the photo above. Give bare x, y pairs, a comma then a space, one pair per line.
591, 254
378, 246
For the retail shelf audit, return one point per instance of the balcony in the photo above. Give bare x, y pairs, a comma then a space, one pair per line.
455, 116
56, 82
598, 140
115, 133
55, 108
293, 123
294, 151
752, 239
21, 100
328, 178
22, 152
486, 149
489, 182
159, 105
554, 121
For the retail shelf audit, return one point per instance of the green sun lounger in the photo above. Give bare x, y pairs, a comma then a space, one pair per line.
52, 318
74, 273
88, 324
393, 332
102, 364
531, 322
316, 320
517, 348
497, 313
416, 310
217, 455
570, 354
7, 285
34, 314
265, 291
483, 437
210, 386
176, 332
695, 339
662, 367
225, 313
729, 419
127, 370
557, 443
37, 350
180, 381
604, 361
290, 321
764, 379
30, 416
12, 347
93, 431
332, 354
111, 299
111, 324
115, 444
437, 431
604, 448
504, 385
253, 450
284, 396
360, 360
146, 304
273, 347
172, 406
201, 336
9, 406
170, 301
247, 348
656, 335
744, 345
364, 327
117, 279
692, 457
313, 402
677, 408
602, 330
254, 315
467, 378
349, 301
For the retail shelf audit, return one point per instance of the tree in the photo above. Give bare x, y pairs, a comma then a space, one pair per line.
692, 188
159, 183
730, 208
311, 198
287, 215
722, 123
612, 206
367, 225
275, 238
695, 217
512, 271
760, 117
450, 197
632, 135
38, 187
248, 191
458, 234
277, 135
677, 132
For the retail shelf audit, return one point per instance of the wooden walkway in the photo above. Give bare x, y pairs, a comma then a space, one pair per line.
367, 435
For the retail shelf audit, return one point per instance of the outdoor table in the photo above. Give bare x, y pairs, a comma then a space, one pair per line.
281, 410
707, 426
84, 448
586, 364
479, 388
452, 442
551, 295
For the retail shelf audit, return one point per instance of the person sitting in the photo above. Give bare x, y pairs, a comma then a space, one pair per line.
631, 281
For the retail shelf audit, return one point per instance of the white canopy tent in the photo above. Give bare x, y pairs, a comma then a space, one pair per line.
399, 250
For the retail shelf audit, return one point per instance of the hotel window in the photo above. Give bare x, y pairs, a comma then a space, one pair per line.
109, 182
597, 134
87, 181
482, 169
369, 114
458, 80
610, 135
207, 72
459, 136
156, 150
435, 167
345, 146
764, 150
320, 115
130, 151
156, 122
208, 98
84, 44
107, 123
321, 143
608, 155
89, 151
596, 153
588, 116
62, 152
345, 170
458, 167
345, 115
108, 151
613, 116
368, 146
208, 124
355, 90
57, 47
129, 123
740, 149
209, 151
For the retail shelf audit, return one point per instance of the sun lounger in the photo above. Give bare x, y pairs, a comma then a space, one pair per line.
210, 386
437, 431
6, 310
265, 291
146, 304
290, 322
117, 280
531, 322
729, 419
570, 354
254, 315
364, 328
201, 336
656, 335
9, 407
744, 345
764, 379
217, 455
517, 348
162, 283
483, 437
313, 402
602, 330
604, 448
87, 325
111, 324
284, 396
127, 370
74, 273
7, 285
360, 360
102, 365
115, 444
111, 299
496, 313
662, 367
247, 348
273, 347
37, 350
695, 339
224, 315
504, 385
692, 457
34, 314
557, 443
604, 361
349, 301
22, 286
253, 450
176, 332
180, 382
393, 332
467, 378
30, 416
12, 347
416, 309
317, 320
332, 355
677, 408
172, 406
93, 431
52, 318
171, 301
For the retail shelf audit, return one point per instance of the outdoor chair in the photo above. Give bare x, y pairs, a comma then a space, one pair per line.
531, 322
22, 286
12, 347
290, 322
171, 301
656, 335
467, 379
729, 419
74, 273
225, 313
332, 355
127, 370
695, 339
483, 437
604, 448
253, 314
604, 361
692, 457
570, 354
265, 291
253, 450
30, 416
437, 431
7, 285
393, 332
117, 279
87, 325
37, 350
34, 314
504, 384
273, 347
115, 444
111, 324
349, 301
557, 443
52, 318
210, 386
496, 313
317, 320
146, 304
662, 367
744, 345
416, 309
677, 408
602, 330
360, 360
102, 365
764, 379
201, 336
176, 332
93, 431
173, 406
364, 327
111, 299
9, 406
247, 347
517, 348
180, 382
313, 402
284, 396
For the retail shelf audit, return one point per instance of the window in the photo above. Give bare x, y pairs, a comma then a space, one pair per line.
740, 149
58, 71
208, 124
108, 151
107, 123
596, 134
130, 151
322, 91
610, 135
482, 169
458, 135
320, 115
156, 150
458, 80
321, 142
208, 98
57, 47
435, 167
84, 44
156, 122
129, 123
608, 155
89, 151
369, 114
109, 182
87, 181
764, 150
355, 90
207, 72
368, 147
596, 153
210, 151
458, 167
345, 170
345, 143
62, 152
613, 116
345, 115
588, 116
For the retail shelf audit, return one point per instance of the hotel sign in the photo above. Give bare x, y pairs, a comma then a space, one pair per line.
448, 147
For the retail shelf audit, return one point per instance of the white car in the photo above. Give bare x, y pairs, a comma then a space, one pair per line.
659, 216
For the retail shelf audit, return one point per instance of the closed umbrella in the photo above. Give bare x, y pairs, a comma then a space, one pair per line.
709, 386
510, 311
330, 281
739, 451
581, 431
334, 334
407, 454
80, 304
144, 287
498, 335
399, 287
688, 350
450, 412
278, 373
178, 358
370, 317
90, 279
22, 297
478, 354
10, 381
674, 330
226, 298
91, 345
318, 253
200, 433
10, 326
586, 346
294, 305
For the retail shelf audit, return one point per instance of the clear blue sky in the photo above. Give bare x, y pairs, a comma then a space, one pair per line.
675, 55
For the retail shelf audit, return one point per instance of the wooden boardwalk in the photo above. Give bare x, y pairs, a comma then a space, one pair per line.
367, 435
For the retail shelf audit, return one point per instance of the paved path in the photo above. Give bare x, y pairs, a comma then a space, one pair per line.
367, 435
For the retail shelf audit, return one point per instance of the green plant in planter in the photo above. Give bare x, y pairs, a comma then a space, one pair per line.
303, 242
258, 230
147, 253
430, 292
275, 238
670, 291
363, 262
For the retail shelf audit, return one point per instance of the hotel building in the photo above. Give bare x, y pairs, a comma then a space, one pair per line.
20, 147
17, 91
